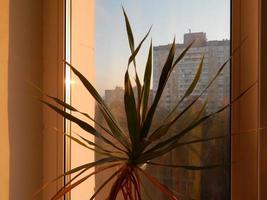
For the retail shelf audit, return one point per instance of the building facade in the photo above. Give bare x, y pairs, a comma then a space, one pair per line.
215, 54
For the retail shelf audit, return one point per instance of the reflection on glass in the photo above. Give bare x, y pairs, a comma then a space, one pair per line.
208, 24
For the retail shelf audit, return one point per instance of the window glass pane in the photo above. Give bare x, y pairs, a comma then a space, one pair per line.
207, 23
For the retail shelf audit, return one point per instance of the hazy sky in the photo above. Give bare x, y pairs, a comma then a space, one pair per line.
169, 18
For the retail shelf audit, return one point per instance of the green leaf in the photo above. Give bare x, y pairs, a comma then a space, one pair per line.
132, 48
85, 126
100, 147
135, 52
91, 143
78, 141
139, 91
88, 86
205, 89
102, 152
202, 110
122, 139
181, 56
162, 82
65, 105
163, 129
62, 103
113, 125
159, 132
195, 80
137, 80
129, 31
130, 109
71, 108
191, 87
147, 82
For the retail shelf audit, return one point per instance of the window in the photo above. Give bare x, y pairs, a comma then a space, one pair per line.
107, 55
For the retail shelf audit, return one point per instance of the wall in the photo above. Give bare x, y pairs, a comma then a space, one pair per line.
245, 72
25, 112
31, 52
53, 84
82, 57
4, 140
263, 102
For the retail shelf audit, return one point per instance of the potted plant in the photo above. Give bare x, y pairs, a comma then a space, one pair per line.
140, 145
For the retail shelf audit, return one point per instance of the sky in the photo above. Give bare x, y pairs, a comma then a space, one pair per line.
169, 18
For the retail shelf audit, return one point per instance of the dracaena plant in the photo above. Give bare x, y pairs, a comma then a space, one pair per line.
139, 145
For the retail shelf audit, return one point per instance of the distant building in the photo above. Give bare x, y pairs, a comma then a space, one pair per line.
215, 52
114, 95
